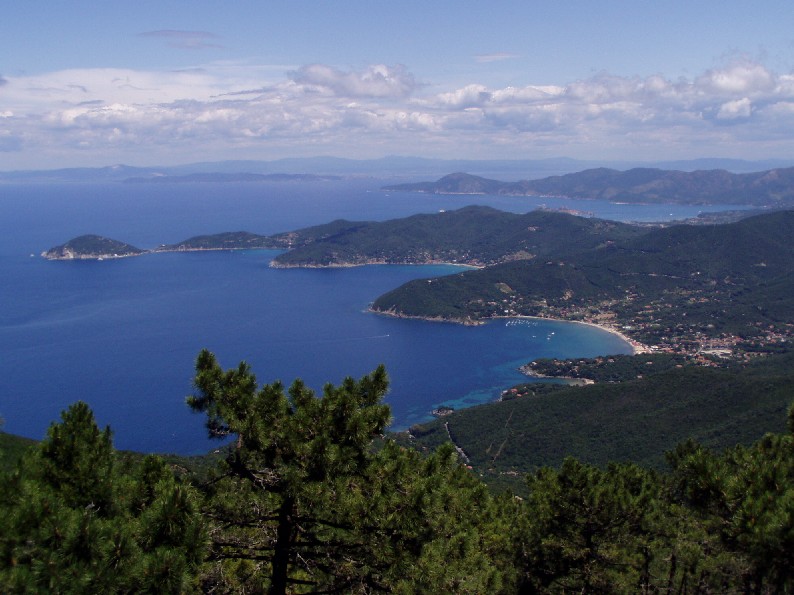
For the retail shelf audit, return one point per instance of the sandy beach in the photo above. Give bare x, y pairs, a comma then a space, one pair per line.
636, 346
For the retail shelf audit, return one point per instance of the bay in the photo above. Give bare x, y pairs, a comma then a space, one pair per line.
123, 334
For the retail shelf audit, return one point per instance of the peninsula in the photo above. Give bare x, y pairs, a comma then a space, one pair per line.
95, 247
723, 289
706, 300
475, 236
768, 188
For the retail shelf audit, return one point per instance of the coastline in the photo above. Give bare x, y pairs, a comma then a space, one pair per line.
636, 346
395, 314
46, 255
373, 262
568, 380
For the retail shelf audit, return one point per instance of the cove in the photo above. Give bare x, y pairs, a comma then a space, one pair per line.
123, 335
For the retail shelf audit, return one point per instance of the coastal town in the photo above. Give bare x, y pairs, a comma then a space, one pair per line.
660, 326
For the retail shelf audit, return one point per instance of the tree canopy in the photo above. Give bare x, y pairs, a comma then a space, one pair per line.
311, 497
73, 521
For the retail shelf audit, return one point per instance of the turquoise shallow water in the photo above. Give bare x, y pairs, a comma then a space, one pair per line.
123, 334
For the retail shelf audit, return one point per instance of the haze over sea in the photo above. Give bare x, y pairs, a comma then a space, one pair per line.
123, 334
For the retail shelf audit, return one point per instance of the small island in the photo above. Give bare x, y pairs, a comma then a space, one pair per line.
91, 247
720, 289
97, 247
94, 247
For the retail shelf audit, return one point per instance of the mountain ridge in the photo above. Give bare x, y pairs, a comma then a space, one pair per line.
396, 167
774, 187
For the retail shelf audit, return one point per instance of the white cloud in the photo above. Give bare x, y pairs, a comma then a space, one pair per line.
742, 77
531, 94
469, 96
738, 108
376, 81
258, 111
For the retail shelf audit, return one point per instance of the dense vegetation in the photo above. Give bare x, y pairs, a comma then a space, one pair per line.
91, 246
636, 420
640, 185
613, 368
474, 235
74, 520
675, 285
305, 503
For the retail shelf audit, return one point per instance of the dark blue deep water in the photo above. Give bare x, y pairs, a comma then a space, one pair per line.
123, 334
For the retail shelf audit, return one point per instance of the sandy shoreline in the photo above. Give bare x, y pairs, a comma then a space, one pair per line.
346, 265
636, 346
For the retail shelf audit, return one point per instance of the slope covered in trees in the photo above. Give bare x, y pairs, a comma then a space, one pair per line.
473, 235
305, 503
636, 420
75, 520
91, 246
675, 286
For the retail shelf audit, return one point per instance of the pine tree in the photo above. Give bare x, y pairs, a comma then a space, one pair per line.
285, 497
744, 498
585, 529
73, 522
306, 503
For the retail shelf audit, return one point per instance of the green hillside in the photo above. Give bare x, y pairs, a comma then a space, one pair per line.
309, 498
474, 235
232, 240
634, 421
670, 286
91, 246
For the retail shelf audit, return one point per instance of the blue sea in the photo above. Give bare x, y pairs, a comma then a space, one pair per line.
123, 334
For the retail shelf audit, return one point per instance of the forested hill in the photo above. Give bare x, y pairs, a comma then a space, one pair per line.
635, 420
669, 286
309, 498
773, 187
91, 247
474, 235
95, 247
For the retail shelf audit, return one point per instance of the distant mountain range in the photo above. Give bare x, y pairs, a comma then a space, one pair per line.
403, 168
768, 188
229, 177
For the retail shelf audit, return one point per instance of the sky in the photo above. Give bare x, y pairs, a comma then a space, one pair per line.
171, 82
